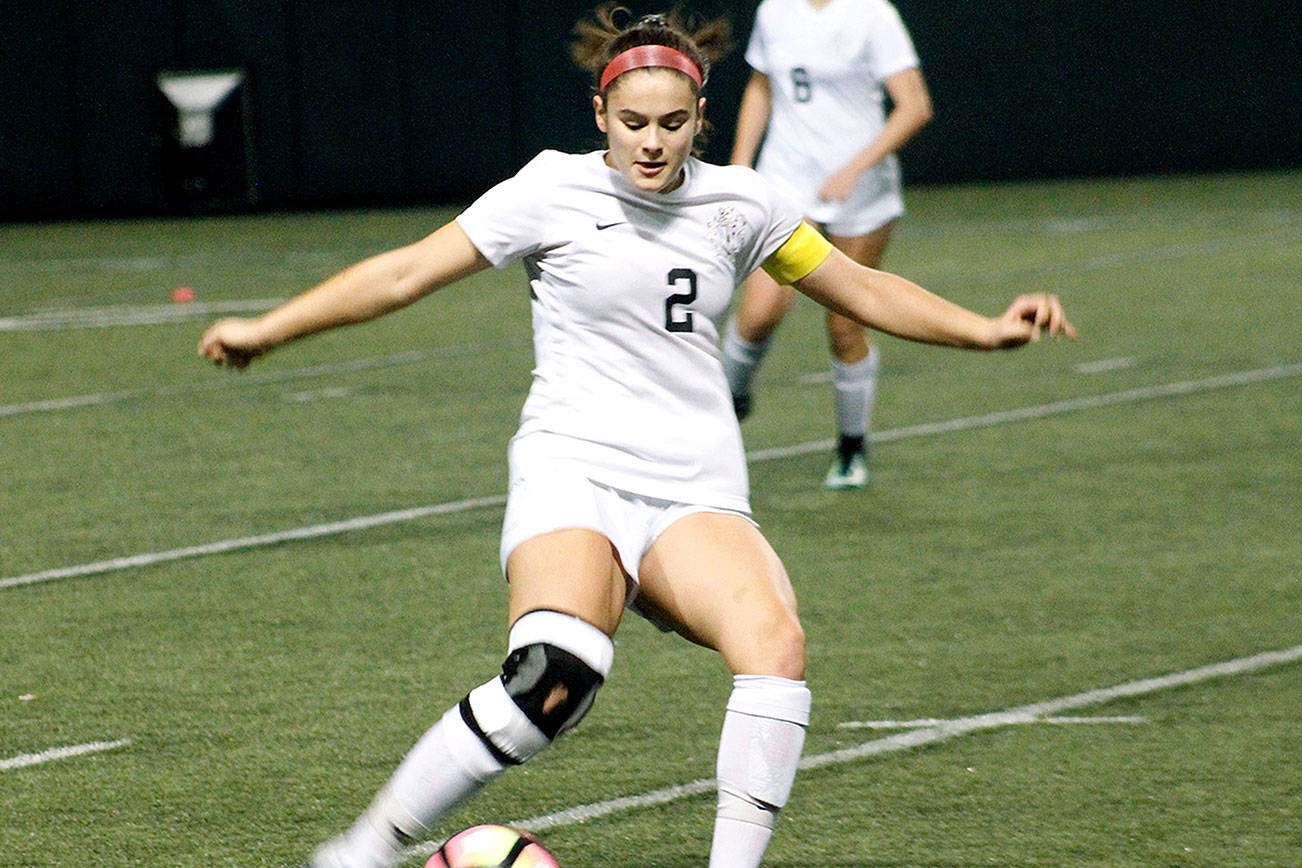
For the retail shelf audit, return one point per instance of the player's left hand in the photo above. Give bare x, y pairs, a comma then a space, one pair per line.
1029, 317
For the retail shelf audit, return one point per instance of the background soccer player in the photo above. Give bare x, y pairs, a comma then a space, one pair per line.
815, 98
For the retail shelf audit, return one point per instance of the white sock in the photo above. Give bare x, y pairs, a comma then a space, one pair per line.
741, 358
759, 749
448, 765
855, 386
452, 760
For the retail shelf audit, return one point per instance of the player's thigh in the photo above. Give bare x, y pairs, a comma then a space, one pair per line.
868, 249
574, 571
764, 302
719, 582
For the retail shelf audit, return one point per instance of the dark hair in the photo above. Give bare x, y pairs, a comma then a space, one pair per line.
600, 38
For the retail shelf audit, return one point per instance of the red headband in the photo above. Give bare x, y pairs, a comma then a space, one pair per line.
643, 56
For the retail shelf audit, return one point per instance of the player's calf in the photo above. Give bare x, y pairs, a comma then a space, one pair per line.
554, 666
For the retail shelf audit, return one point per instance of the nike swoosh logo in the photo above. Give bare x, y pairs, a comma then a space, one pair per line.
601, 226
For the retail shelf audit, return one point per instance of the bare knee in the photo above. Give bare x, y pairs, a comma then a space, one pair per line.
789, 651
847, 340
778, 649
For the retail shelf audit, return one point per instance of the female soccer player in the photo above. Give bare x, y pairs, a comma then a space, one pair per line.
815, 99
627, 476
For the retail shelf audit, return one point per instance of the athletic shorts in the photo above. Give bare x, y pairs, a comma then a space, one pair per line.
875, 201
558, 495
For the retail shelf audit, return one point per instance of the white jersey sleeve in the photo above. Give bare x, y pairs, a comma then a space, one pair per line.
892, 48
757, 50
505, 222
781, 220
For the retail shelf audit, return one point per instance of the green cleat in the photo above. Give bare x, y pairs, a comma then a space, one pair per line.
847, 472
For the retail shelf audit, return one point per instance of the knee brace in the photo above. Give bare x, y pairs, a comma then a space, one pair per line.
550, 677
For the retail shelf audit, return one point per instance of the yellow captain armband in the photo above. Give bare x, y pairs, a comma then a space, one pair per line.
804, 251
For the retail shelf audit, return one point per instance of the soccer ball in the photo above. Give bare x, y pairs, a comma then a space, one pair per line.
492, 847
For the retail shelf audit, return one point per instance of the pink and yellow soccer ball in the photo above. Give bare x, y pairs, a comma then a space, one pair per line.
492, 846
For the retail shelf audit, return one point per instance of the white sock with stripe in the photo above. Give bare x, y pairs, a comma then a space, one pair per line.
759, 749
467, 748
447, 765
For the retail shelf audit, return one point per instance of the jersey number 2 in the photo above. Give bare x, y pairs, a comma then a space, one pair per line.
687, 321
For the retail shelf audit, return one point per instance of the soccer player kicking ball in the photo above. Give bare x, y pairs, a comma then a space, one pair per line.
628, 479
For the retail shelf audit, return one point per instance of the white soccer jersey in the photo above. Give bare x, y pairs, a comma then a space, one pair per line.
628, 289
826, 67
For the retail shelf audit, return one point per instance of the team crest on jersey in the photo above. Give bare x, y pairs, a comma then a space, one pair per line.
726, 229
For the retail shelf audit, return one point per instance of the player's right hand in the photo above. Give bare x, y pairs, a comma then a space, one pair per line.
232, 342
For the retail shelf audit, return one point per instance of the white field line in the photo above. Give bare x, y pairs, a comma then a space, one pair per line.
943, 730
103, 398
1100, 367
1263, 220
112, 315
1257, 221
1089, 721
315, 257
309, 257
411, 357
1103, 366
57, 753
250, 542
320, 395
154, 314
923, 723
1035, 711
1275, 225
1142, 256
1043, 411
1129, 396
131, 314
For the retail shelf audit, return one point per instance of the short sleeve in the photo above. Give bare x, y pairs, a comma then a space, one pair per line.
505, 223
781, 219
756, 50
892, 48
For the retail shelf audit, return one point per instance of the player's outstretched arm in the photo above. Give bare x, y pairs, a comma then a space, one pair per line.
897, 306
369, 289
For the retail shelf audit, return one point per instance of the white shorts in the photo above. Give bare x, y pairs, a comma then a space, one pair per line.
875, 201
557, 496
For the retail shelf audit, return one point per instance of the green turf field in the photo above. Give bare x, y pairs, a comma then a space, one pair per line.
1055, 545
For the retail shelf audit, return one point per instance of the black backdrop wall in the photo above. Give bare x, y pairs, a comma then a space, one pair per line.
350, 102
